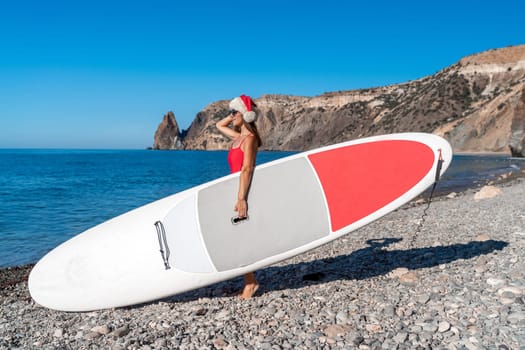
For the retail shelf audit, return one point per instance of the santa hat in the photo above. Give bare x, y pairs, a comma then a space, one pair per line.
244, 105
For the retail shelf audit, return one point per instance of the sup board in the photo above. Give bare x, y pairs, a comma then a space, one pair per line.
189, 240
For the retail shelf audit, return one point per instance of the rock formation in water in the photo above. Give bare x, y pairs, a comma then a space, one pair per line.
477, 104
168, 135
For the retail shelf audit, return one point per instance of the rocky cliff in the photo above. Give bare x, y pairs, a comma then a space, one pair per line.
477, 104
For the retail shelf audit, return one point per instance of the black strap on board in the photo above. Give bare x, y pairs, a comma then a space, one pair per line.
439, 165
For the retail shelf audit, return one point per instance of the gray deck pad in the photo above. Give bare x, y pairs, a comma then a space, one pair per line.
286, 210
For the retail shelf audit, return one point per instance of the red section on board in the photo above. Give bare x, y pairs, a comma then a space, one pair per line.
360, 179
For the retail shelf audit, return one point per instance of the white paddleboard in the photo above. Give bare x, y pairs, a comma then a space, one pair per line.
187, 240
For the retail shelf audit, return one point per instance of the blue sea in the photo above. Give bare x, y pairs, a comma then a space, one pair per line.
49, 196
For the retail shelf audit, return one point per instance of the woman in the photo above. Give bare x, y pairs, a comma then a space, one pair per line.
241, 158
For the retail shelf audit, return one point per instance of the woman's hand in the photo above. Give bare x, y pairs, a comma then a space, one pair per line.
224, 128
241, 207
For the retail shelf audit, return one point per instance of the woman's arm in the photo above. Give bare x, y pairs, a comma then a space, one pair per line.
248, 166
224, 128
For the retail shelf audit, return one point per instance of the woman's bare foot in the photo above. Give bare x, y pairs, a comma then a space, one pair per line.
248, 291
250, 286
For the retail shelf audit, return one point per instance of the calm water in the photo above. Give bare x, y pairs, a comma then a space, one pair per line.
48, 196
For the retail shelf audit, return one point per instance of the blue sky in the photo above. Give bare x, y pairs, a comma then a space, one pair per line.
101, 74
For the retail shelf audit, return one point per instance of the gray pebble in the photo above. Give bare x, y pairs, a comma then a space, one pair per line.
517, 318
341, 317
92, 335
401, 337
104, 330
121, 332
443, 326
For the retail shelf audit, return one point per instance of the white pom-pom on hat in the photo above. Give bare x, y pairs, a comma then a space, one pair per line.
249, 116
244, 104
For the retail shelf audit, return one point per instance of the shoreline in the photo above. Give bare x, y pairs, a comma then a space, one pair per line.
11, 276
457, 283
20, 248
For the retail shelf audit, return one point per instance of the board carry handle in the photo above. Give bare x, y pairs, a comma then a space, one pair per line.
237, 220
163, 244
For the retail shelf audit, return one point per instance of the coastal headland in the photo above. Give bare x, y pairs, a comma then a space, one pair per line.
477, 104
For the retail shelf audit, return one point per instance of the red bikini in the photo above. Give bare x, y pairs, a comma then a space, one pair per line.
236, 158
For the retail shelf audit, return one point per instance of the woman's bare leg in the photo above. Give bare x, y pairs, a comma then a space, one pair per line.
250, 286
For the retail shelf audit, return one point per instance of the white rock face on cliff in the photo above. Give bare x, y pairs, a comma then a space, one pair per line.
495, 121
478, 104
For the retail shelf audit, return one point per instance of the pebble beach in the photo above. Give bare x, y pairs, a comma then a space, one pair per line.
454, 281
